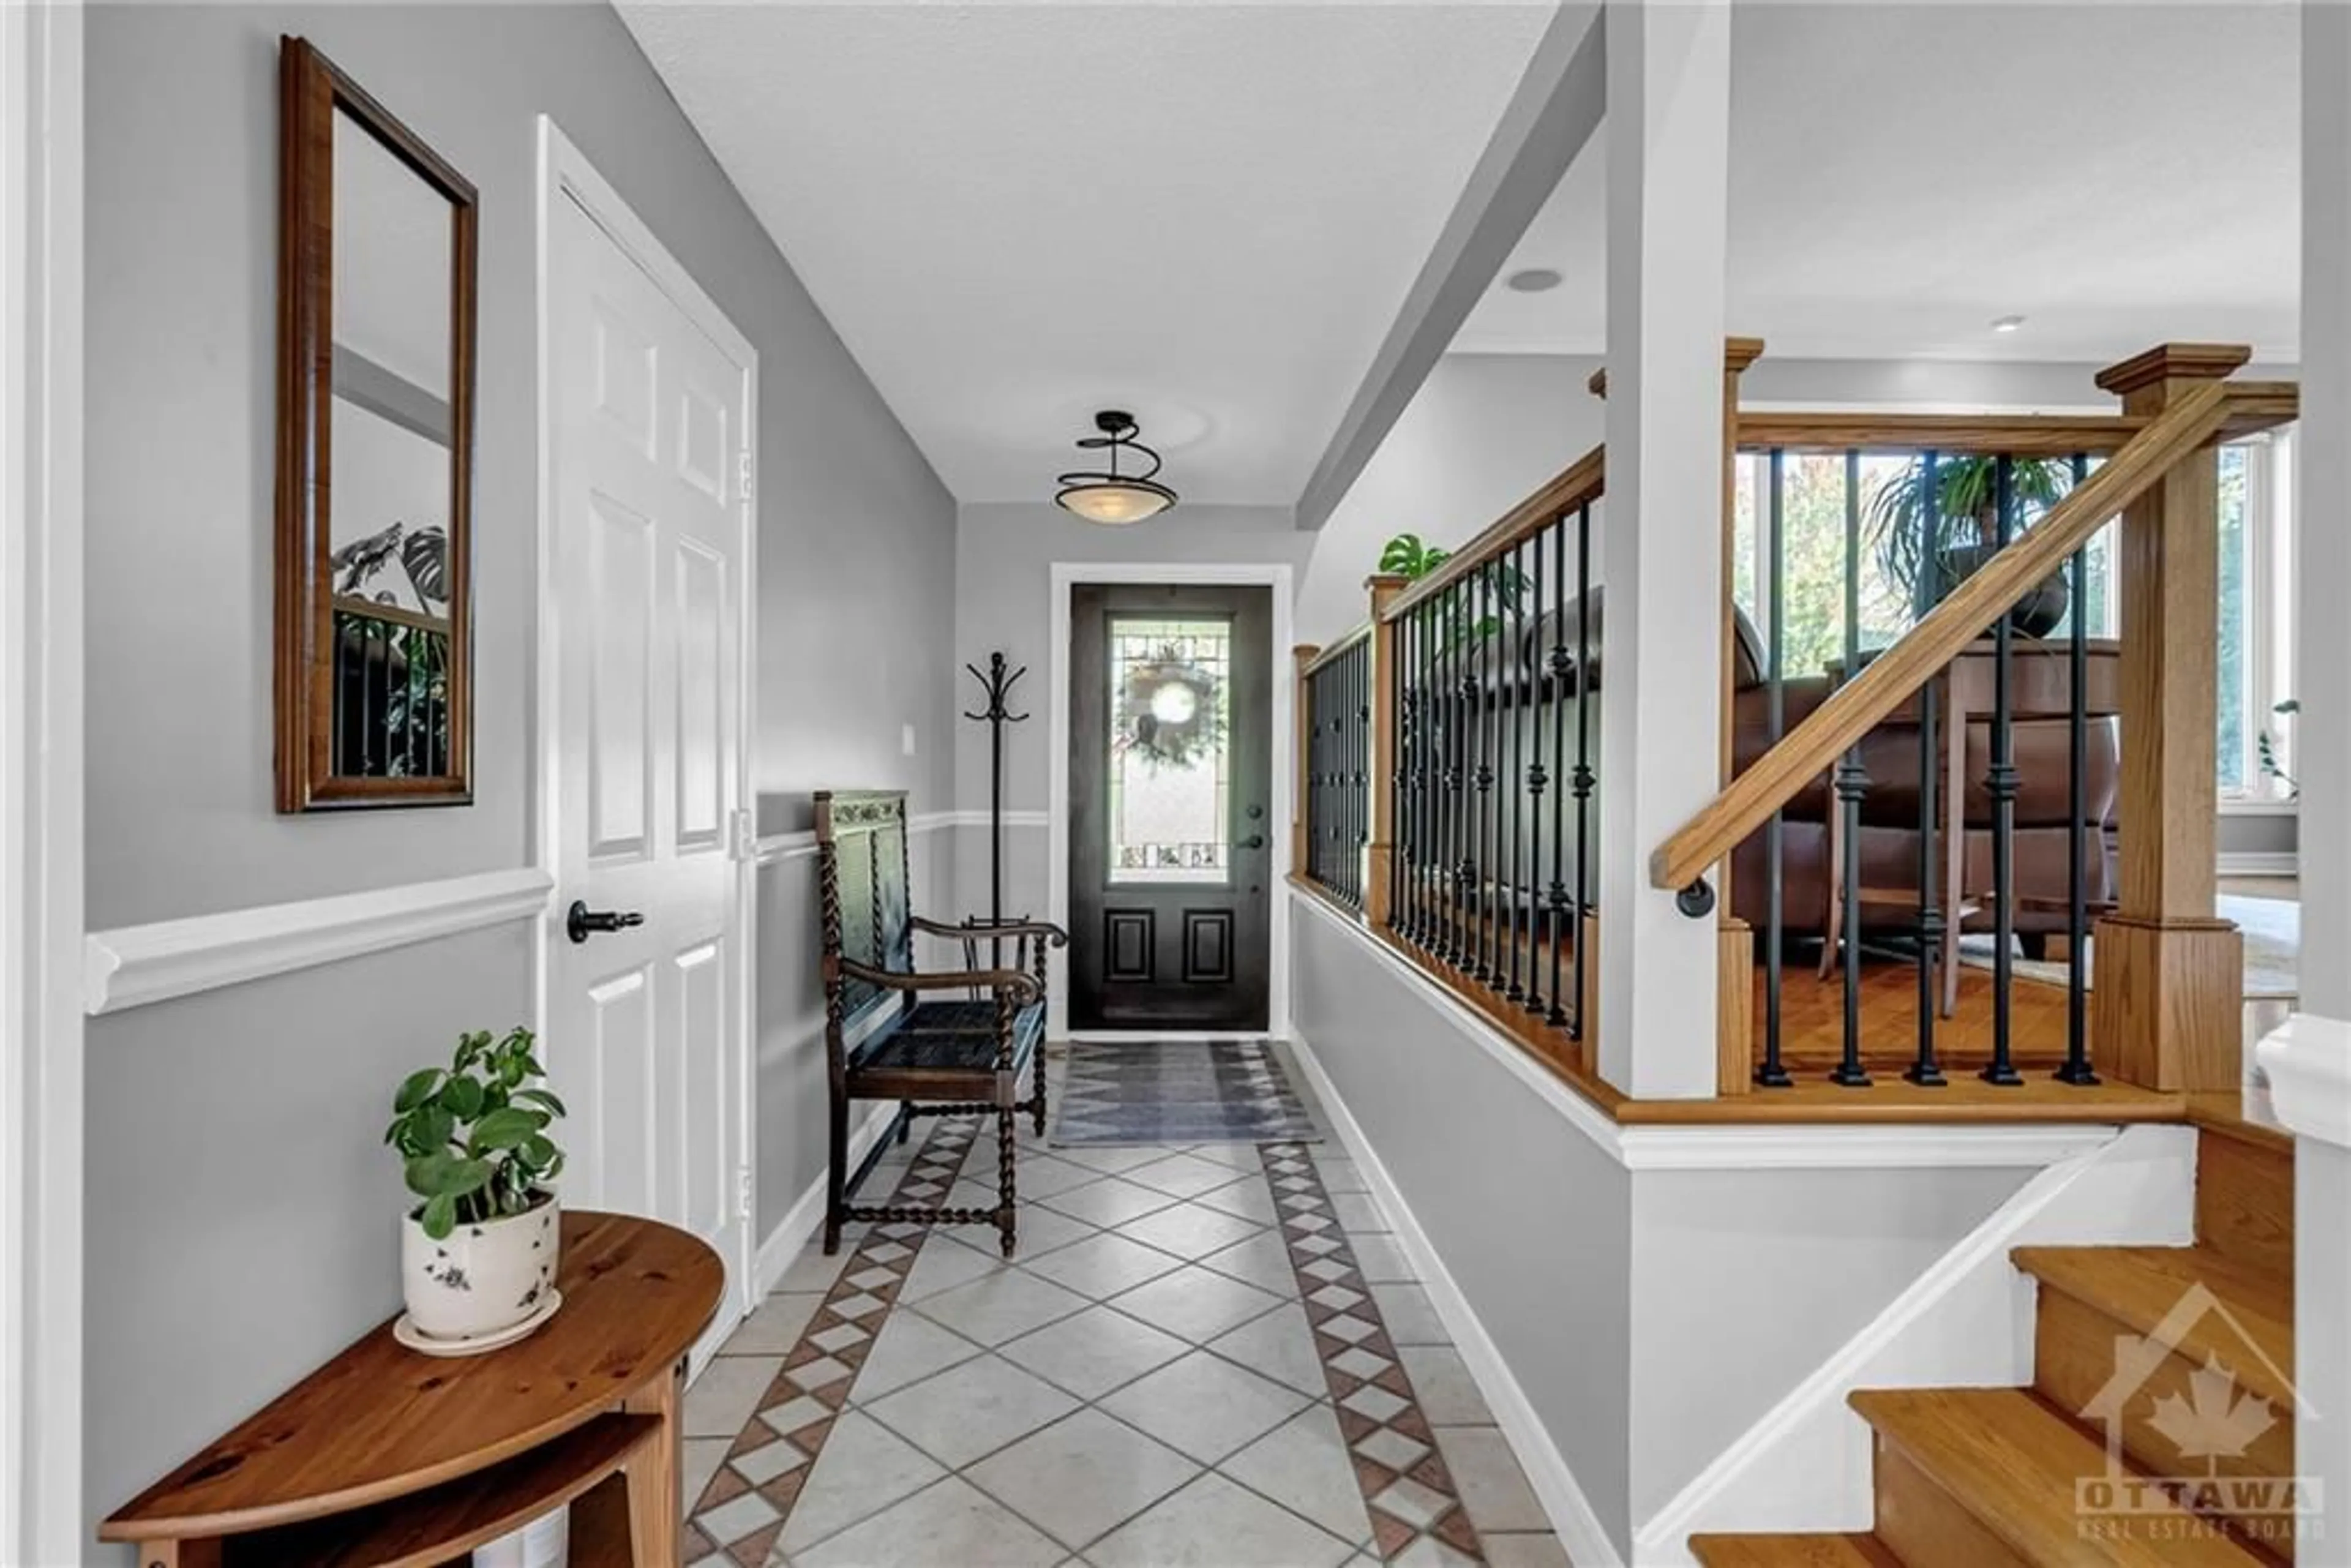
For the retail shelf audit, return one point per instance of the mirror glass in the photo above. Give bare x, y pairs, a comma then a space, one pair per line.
393, 445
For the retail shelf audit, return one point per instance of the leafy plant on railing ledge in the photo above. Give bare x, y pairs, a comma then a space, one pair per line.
1966, 531
1410, 557
2266, 746
474, 1137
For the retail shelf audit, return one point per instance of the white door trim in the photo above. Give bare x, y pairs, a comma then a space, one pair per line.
1276, 575
41, 836
565, 173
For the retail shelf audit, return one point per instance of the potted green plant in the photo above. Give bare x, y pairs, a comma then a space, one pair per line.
1928, 564
1410, 557
478, 1250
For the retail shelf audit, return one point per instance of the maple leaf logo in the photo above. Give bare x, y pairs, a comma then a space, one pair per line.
2212, 1423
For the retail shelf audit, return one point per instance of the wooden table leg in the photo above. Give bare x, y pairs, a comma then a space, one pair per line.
198, 1553
656, 1520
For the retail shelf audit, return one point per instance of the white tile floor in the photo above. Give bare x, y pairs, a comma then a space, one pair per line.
1140, 1388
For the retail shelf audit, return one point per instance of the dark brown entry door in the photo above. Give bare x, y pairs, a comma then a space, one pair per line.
1171, 829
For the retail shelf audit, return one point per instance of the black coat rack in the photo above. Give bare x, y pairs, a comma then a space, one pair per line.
996, 685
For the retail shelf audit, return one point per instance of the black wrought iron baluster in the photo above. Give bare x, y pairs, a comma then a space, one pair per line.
2000, 781
1922, 1070
1456, 784
1416, 793
1587, 698
1480, 776
1555, 896
1399, 776
1514, 792
1775, 718
377, 737
1315, 776
2075, 1069
1541, 693
1852, 786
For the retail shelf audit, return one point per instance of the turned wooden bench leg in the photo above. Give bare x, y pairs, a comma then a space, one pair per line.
656, 1475
1038, 1092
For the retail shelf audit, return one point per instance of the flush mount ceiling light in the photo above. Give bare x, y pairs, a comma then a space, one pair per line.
2007, 323
1108, 497
1533, 280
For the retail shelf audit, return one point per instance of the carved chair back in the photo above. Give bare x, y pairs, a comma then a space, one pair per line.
867, 914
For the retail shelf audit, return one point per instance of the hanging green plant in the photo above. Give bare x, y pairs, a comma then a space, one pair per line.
1173, 709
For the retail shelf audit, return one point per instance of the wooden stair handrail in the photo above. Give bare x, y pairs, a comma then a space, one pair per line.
1887, 681
1332, 650
1579, 483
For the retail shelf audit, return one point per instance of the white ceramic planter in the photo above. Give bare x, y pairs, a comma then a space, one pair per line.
482, 1277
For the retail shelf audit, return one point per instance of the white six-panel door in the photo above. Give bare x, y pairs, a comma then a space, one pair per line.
649, 512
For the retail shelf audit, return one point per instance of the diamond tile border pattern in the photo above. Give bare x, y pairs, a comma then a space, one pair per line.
771, 1458
1405, 1485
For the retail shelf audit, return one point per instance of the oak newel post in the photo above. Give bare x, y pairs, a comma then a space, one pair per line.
1380, 885
2170, 976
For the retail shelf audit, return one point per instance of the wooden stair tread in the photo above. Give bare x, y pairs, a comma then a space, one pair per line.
2012, 1462
1791, 1551
2140, 1287
2224, 1114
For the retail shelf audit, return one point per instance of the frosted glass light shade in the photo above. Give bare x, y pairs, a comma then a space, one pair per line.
1113, 503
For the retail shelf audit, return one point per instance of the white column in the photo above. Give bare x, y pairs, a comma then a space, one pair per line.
2323, 507
1668, 192
2308, 1061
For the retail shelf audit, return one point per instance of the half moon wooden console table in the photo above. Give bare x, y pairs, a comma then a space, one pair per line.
386, 1459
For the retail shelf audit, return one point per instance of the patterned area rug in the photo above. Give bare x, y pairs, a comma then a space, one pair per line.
1155, 1091
2272, 929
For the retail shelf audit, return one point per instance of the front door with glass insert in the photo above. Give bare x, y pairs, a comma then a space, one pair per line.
1170, 796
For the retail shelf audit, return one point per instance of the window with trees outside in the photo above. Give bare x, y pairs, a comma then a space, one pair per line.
2254, 617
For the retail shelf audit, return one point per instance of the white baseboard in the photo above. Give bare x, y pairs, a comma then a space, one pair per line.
800, 1221
1571, 1513
1967, 1322
2259, 863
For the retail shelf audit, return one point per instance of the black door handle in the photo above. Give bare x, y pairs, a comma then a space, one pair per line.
582, 922
1254, 841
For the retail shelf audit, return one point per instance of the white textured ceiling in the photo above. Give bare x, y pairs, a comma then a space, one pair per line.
1901, 175
1016, 215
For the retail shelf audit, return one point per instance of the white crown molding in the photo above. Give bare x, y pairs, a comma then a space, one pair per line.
801, 843
2308, 1060
132, 965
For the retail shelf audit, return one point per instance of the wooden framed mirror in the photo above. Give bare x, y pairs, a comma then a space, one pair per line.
375, 404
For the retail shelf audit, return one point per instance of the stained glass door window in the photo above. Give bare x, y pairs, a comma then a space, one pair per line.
1170, 752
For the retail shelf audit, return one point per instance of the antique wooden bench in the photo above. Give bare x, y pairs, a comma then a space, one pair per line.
888, 1037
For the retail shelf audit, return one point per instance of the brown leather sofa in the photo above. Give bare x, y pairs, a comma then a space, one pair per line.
1888, 844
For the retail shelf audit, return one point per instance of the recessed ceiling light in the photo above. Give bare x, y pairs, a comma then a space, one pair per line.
1532, 279
2007, 323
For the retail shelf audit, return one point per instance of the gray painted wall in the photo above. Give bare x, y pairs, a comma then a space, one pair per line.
1532, 1220
241, 1212
1004, 560
1650, 1316
1481, 434
1744, 1281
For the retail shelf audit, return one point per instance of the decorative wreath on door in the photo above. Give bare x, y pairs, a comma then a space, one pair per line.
1173, 708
